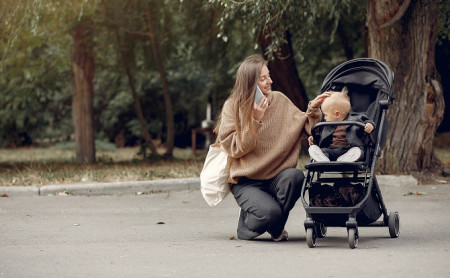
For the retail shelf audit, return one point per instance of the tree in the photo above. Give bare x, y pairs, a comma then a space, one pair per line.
400, 33
83, 92
36, 68
336, 36
284, 73
403, 34
271, 24
79, 17
125, 45
162, 73
145, 14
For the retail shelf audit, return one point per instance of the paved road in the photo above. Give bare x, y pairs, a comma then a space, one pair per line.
175, 234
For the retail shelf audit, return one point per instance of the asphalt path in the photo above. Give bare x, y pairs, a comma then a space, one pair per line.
176, 234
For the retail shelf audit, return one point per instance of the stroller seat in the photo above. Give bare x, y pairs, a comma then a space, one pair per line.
369, 83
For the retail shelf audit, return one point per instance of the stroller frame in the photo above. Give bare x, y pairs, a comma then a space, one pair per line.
371, 206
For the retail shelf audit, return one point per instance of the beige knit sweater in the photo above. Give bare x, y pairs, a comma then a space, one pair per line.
276, 145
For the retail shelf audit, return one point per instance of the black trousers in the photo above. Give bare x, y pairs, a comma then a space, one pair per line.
265, 204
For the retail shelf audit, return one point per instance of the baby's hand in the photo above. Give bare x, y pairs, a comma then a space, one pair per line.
311, 140
369, 127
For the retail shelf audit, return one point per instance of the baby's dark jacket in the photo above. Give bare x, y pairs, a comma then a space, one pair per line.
355, 135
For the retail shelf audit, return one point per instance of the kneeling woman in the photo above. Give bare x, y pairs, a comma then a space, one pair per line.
264, 141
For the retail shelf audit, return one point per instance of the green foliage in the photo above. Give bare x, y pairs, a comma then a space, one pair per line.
336, 25
274, 18
196, 63
35, 86
15, 16
202, 43
35, 71
316, 27
271, 17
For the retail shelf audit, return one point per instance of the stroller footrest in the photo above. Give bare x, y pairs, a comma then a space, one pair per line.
334, 166
331, 210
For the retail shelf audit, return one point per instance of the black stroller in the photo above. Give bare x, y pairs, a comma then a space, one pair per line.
346, 194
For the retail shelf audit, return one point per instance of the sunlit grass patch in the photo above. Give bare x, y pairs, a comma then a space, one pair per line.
39, 166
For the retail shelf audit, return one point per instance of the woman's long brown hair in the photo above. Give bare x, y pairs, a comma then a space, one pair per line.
243, 94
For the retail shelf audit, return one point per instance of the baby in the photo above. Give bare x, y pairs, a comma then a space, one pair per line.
340, 143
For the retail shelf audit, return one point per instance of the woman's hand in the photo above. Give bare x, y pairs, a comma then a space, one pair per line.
315, 103
260, 108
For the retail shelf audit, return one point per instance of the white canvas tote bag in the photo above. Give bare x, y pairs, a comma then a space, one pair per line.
214, 175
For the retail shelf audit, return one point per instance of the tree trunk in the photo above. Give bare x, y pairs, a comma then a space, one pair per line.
162, 73
403, 34
137, 104
126, 50
284, 72
83, 93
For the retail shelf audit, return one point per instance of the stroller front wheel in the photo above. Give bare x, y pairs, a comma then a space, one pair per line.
311, 237
394, 224
352, 237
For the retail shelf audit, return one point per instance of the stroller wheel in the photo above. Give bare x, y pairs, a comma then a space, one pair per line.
394, 224
311, 237
352, 237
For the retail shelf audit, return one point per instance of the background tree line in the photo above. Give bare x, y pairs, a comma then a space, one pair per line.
136, 71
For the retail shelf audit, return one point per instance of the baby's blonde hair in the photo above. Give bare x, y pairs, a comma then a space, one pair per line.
337, 101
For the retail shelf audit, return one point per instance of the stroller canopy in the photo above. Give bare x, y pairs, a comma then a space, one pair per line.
365, 72
369, 81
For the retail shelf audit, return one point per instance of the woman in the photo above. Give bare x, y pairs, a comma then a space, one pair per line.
264, 141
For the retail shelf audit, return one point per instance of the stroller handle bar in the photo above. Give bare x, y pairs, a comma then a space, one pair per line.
315, 128
336, 123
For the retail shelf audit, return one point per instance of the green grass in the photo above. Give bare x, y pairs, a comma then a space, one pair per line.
56, 165
43, 166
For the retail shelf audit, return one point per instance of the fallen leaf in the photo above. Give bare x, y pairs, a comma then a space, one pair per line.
231, 238
63, 193
417, 193
5, 195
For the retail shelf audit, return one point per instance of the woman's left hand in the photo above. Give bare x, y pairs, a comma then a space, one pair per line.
315, 103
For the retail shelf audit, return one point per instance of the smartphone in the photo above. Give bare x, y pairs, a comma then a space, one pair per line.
258, 95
